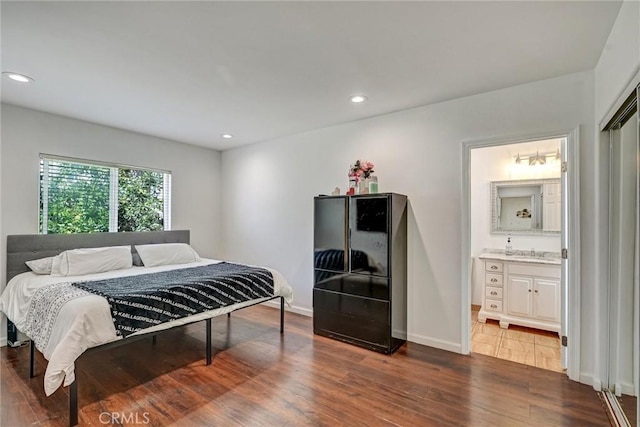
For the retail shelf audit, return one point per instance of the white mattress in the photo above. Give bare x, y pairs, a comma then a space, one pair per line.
86, 322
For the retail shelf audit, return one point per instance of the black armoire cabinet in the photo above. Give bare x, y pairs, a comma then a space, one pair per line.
360, 270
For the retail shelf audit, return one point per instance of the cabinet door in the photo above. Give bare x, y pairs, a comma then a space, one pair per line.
369, 234
330, 233
546, 299
551, 208
353, 284
519, 291
362, 321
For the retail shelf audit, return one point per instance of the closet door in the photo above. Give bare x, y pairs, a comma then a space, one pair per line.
624, 247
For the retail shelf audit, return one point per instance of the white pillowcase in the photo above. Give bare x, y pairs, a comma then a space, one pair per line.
78, 262
41, 266
167, 254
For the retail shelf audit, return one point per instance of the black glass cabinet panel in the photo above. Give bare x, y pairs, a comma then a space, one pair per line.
361, 321
359, 293
353, 284
330, 233
369, 229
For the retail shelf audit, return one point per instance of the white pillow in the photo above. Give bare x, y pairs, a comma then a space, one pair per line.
41, 266
78, 262
167, 254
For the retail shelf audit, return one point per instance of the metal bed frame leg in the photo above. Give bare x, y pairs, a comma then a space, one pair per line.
73, 403
281, 315
32, 351
208, 341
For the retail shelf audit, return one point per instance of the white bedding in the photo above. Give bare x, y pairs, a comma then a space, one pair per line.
86, 322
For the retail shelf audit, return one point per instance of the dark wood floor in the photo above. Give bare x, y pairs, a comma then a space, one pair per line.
629, 405
259, 377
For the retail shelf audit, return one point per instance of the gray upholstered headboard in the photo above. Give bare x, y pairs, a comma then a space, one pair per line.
25, 247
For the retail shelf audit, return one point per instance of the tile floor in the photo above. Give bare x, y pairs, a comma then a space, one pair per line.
518, 344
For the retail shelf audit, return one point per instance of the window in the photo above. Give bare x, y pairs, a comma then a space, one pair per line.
78, 196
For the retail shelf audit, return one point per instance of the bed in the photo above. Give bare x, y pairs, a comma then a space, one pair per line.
65, 320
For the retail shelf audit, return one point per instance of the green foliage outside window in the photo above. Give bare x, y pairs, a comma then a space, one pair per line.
78, 199
140, 204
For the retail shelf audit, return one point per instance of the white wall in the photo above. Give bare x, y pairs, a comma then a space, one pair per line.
498, 164
268, 194
617, 66
620, 58
26, 133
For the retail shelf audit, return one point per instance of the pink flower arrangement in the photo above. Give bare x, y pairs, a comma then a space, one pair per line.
361, 170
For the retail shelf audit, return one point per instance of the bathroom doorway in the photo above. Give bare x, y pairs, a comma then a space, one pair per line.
517, 248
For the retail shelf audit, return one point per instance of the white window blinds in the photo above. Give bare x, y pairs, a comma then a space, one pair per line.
78, 196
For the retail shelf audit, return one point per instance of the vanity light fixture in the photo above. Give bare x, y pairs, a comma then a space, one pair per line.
21, 78
537, 160
356, 99
227, 136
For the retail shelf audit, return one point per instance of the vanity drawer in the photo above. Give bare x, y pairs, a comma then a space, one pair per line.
550, 271
494, 293
493, 279
492, 305
493, 266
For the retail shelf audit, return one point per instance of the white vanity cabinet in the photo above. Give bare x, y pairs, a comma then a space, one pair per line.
546, 299
493, 282
523, 292
519, 294
534, 297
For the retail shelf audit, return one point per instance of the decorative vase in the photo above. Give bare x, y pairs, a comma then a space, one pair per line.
373, 184
363, 186
353, 185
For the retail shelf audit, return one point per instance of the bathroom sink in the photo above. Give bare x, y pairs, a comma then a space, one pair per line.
524, 256
543, 257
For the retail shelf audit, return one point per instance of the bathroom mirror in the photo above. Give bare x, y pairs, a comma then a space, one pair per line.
526, 207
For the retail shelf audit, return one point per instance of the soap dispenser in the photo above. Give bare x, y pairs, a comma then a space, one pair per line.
508, 250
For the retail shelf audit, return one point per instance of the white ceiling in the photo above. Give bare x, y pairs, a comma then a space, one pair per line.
190, 71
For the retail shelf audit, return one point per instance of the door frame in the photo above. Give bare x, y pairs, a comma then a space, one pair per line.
571, 274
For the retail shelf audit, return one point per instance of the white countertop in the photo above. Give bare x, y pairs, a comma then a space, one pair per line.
549, 260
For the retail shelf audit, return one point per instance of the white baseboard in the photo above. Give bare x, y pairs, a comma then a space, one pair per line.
589, 379
625, 388
620, 388
3, 341
294, 309
586, 379
434, 342
397, 333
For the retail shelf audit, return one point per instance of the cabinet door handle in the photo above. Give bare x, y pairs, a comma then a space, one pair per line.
536, 291
529, 290
494, 267
494, 293
494, 280
494, 306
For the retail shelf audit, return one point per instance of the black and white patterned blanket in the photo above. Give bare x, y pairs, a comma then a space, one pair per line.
139, 302
44, 309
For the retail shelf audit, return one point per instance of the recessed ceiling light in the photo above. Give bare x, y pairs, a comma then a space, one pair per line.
227, 136
356, 99
17, 77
